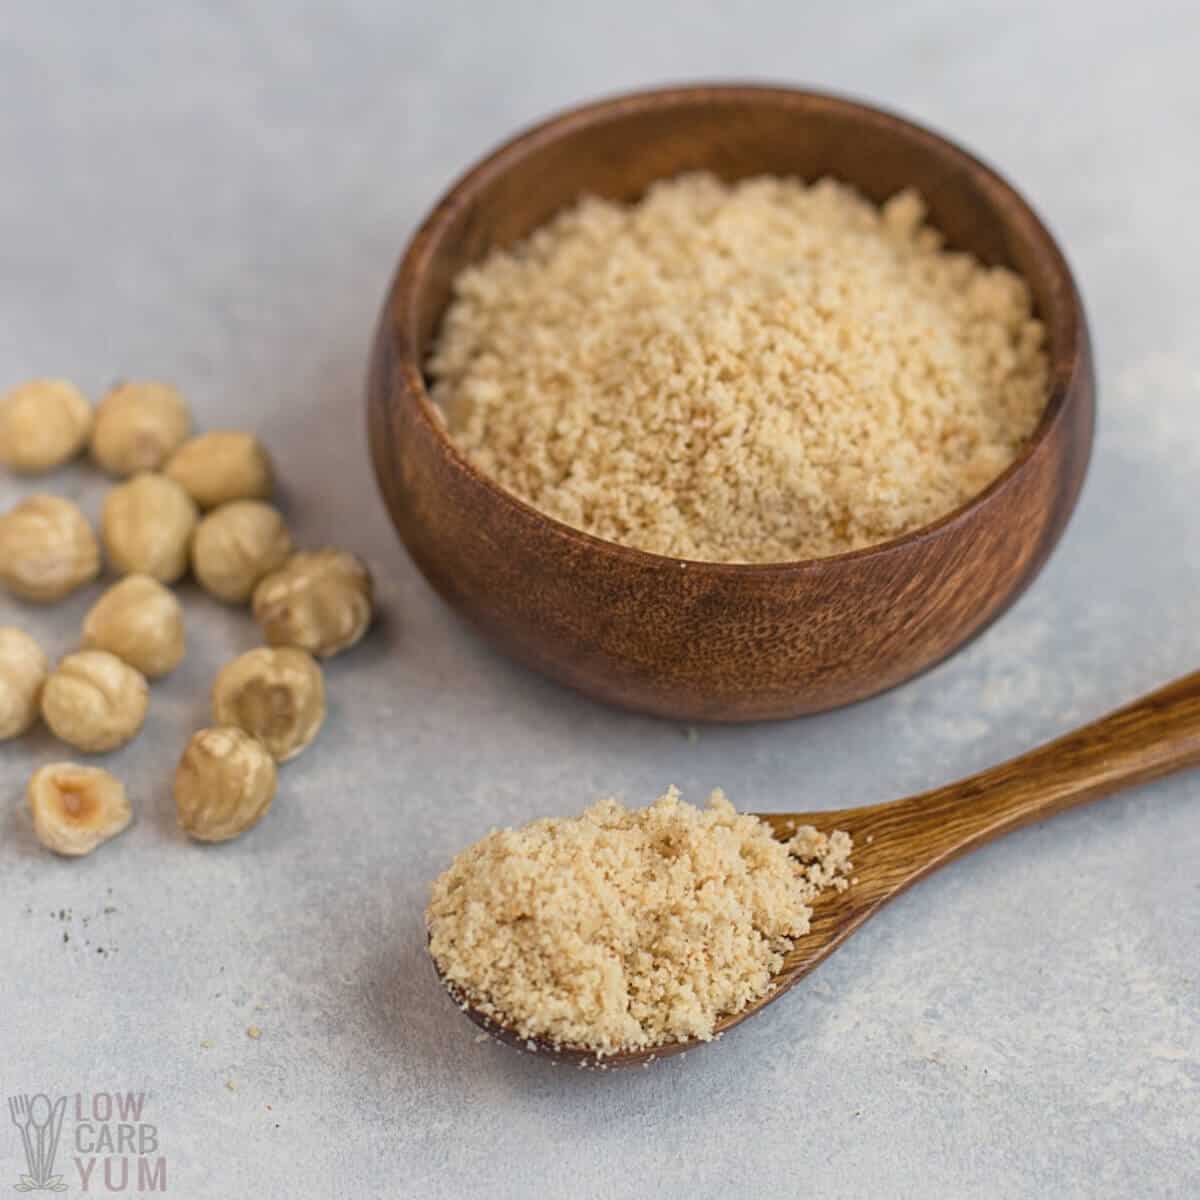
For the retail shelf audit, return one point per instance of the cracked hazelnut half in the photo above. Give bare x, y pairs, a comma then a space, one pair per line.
75, 809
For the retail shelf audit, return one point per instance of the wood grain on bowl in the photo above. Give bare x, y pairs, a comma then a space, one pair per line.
697, 641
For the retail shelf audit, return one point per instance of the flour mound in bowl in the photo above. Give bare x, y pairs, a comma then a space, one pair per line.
758, 372
627, 928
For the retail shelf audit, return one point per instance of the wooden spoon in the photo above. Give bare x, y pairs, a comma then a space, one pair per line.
898, 843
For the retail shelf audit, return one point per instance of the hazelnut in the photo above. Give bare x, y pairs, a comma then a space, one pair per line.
224, 785
23, 671
319, 601
277, 696
47, 549
75, 808
237, 545
95, 702
139, 425
147, 526
141, 622
43, 424
215, 468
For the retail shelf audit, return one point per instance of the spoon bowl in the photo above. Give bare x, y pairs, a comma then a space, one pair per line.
898, 843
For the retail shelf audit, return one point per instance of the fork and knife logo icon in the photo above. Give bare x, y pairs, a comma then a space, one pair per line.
40, 1122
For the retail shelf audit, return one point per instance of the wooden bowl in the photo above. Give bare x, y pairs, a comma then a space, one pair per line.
704, 641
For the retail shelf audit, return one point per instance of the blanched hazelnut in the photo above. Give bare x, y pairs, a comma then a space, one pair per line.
43, 424
277, 696
237, 545
141, 622
139, 425
216, 468
47, 549
23, 671
75, 808
224, 785
147, 526
94, 701
319, 601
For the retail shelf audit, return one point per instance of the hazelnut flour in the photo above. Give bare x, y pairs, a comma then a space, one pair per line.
626, 928
749, 373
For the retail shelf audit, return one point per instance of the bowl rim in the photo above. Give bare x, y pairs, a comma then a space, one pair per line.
1067, 359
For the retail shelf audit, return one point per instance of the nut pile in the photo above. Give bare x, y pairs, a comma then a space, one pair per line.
183, 502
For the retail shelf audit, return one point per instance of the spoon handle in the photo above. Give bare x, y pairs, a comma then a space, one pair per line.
907, 839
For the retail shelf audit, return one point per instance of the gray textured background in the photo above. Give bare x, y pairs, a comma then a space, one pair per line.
216, 194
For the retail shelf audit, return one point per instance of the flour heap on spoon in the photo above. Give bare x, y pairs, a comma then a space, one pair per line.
624, 929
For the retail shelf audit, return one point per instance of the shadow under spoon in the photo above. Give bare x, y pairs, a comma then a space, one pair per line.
898, 843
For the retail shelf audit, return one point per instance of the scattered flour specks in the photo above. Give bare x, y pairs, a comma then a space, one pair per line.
1150, 417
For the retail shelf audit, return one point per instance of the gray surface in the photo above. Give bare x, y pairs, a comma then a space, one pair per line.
215, 193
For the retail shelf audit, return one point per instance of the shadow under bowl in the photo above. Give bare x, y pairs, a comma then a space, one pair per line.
710, 641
